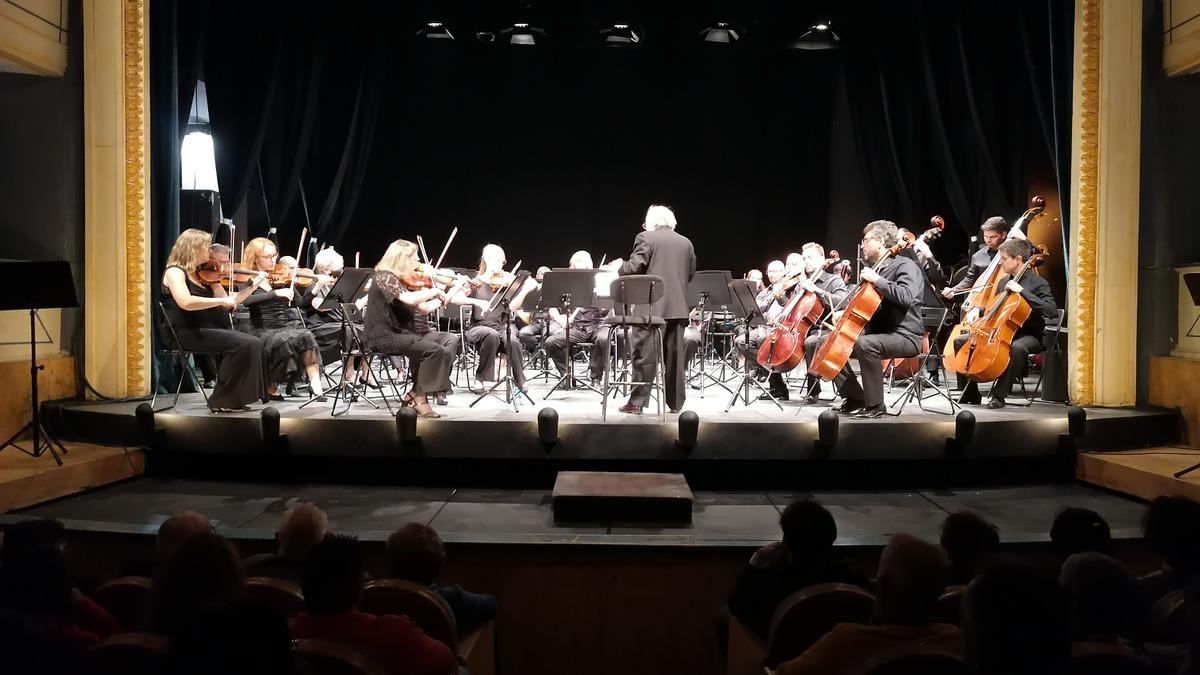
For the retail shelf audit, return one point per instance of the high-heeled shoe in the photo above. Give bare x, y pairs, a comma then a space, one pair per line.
426, 411
369, 382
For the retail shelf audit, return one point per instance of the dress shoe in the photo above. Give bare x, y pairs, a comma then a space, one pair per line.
320, 398
274, 397
694, 385
291, 389
632, 408
872, 413
849, 406
778, 396
969, 399
812, 399
996, 403
244, 408
208, 384
440, 399
761, 374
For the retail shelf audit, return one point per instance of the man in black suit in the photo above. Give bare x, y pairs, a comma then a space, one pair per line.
663, 252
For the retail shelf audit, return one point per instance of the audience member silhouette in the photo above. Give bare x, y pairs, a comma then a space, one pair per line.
201, 574
1077, 530
1102, 598
415, 552
301, 528
239, 637
1015, 622
1172, 530
171, 533
968, 541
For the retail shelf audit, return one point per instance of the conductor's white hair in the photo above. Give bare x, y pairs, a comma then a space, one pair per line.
659, 218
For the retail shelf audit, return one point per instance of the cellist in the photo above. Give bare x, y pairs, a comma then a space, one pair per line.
894, 330
832, 291
1029, 338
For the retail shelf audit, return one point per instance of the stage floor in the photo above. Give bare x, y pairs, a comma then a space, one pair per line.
732, 519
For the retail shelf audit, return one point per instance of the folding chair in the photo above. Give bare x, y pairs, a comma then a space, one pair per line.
182, 357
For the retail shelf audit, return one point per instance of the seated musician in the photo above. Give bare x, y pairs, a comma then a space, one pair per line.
1029, 338
587, 325
771, 301
199, 314
895, 329
755, 277
324, 317
995, 231
218, 258
485, 333
535, 324
389, 325
829, 287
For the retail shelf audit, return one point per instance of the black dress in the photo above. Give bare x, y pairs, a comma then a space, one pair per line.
389, 327
207, 331
286, 349
325, 324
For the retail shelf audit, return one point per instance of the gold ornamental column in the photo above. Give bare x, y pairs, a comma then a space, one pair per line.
1105, 171
116, 196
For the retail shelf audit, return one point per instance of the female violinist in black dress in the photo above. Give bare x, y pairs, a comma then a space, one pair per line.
389, 325
199, 314
286, 349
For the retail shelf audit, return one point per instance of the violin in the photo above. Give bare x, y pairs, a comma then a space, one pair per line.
211, 273
497, 280
282, 275
425, 276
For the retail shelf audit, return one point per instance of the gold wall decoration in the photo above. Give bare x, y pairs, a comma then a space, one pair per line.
1082, 355
136, 189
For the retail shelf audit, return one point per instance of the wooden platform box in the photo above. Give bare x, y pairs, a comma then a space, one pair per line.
609, 496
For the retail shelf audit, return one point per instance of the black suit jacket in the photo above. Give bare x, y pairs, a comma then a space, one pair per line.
667, 254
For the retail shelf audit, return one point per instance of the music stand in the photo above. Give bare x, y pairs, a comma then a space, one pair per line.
348, 287
746, 307
54, 289
565, 289
708, 286
501, 300
933, 318
537, 358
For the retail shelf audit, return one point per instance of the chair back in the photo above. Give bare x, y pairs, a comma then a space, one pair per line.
806, 615
170, 337
949, 605
636, 290
127, 654
1168, 619
426, 609
278, 594
127, 599
1053, 333
921, 663
321, 657
1102, 658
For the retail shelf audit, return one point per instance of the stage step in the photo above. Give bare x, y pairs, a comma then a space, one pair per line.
25, 480
621, 497
1146, 473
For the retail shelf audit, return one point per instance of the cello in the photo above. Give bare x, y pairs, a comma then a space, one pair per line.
834, 352
988, 348
983, 292
904, 368
783, 348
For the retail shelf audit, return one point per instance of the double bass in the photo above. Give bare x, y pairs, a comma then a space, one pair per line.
988, 349
904, 368
983, 292
834, 352
783, 348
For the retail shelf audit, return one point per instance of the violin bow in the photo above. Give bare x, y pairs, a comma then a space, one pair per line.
299, 251
421, 249
453, 233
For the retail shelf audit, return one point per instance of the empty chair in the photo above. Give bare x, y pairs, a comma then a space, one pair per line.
949, 606
810, 613
426, 609
319, 657
127, 654
283, 596
127, 599
931, 663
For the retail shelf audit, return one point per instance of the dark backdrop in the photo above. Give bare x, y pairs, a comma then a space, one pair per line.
333, 117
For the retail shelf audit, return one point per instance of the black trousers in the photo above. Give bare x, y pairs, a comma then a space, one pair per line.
486, 340
428, 360
556, 347
1022, 347
871, 350
240, 376
645, 363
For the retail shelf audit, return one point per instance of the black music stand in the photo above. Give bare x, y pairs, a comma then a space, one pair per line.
538, 358
746, 307
501, 300
708, 287
565, 289
348, 287
54, 289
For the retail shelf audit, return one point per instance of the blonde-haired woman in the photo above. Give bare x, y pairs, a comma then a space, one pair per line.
286, 349
390, 325
199, 314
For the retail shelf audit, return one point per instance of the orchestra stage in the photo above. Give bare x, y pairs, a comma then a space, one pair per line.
489, 445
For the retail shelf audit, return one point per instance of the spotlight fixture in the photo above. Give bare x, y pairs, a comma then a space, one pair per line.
722, 33
435, 30
621, 35
522, 34
819, 36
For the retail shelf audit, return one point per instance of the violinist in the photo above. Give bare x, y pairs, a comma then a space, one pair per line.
770, 300
536, 325
286, 348
390, 324
199, 314
829, 287
1029, 338
218, 259
895, 329
587, 325
487, 327
755, 277
325, 319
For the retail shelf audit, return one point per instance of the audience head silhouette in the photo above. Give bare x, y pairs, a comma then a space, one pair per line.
1172, 530
1015, 621
415, 552
968, 540
239, 637
177, 529
1102, 596
34, 568
808, 530
1076, 530
302, 527
333, 576
202, 573
912, 576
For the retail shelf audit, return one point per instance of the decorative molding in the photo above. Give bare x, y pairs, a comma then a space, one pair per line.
1086, 233
136, 188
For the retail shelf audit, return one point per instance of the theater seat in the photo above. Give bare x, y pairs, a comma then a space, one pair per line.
127, 599
127, 654
278, 594
321, 657
1105, 658
426, 609
806, 615
949, 605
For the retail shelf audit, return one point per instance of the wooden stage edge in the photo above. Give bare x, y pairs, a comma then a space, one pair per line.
1145, 473
25, 480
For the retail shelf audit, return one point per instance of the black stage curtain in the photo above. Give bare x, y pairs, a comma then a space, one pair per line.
331, 116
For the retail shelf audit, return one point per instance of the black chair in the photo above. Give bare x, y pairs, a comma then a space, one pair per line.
174, 352
355, 348
628, 294
1052, 341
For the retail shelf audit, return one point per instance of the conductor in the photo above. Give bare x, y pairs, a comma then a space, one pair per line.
661, 251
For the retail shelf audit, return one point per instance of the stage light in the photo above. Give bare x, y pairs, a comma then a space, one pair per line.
722, 33
523, 35
435, 30
406, 425
269, 423
621, 35
689, 429
827, 431
548, 427
819, 36
1076, 421
144, 414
